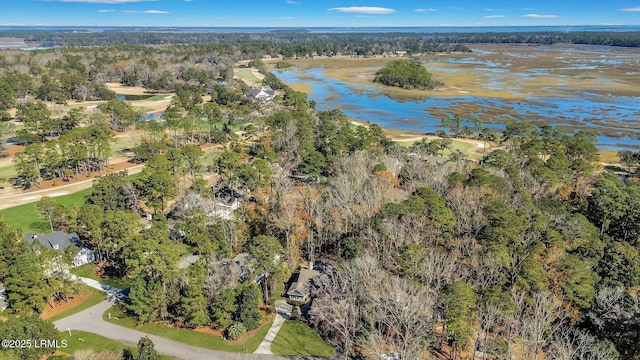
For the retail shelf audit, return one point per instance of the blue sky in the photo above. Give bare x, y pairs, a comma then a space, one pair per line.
299, 13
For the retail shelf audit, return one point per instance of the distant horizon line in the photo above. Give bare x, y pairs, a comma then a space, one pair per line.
315, 27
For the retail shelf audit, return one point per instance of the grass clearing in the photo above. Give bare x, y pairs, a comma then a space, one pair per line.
191, 337
246, 75
95, 298
87, 343
158, 97
184, 249
124, 145
609, 156
296, 338
8, 171
87, 272
28, 219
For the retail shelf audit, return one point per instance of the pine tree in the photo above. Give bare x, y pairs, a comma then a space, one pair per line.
247, 302
146, 350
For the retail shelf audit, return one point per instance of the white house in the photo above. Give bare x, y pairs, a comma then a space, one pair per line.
60, 241
264, 93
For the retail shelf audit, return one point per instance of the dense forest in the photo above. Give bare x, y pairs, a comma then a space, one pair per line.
531, 252
286, 41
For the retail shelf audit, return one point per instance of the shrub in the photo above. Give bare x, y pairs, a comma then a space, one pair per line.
236, 330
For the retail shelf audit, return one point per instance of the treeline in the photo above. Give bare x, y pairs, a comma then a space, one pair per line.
279, 42
254, 44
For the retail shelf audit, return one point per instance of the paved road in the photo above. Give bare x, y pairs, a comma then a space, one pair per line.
91, 320
187, 261
283, 312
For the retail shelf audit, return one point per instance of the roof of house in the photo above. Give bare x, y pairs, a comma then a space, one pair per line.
300, 284
267, 90
58, 240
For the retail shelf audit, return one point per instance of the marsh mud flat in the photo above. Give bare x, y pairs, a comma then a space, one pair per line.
572, 86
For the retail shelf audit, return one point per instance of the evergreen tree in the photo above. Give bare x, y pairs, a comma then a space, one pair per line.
146, 350
247, 305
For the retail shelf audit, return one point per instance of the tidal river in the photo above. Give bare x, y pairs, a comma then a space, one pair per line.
573, 87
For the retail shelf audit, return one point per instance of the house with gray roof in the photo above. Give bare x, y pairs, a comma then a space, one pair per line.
263, 93
60, 241
299, 291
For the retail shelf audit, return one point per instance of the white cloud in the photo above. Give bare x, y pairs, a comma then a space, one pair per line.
494, 16
106, 11
105, 1
527, 9
539, 16
635, 9
291, 2
364, 10
145, 12
425, 10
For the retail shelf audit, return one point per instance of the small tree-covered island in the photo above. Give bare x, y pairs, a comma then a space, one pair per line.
168, 195
407, 74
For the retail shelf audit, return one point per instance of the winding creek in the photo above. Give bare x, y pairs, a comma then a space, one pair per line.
563, 100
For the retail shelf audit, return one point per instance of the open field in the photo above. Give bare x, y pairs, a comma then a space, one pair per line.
192, 337
250, 76
28, 219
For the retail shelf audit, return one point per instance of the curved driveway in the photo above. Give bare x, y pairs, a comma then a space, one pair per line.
91, 320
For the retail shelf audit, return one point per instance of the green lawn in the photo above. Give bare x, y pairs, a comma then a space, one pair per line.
296, 338
86, 342
158, 97
123, 145
28, 219
95, 298
278, 291
82, 340
185, 249
246, 75
8, 171
189, 337
87, 271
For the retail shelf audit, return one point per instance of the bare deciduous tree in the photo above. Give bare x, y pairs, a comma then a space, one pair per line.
540, 323
570, 343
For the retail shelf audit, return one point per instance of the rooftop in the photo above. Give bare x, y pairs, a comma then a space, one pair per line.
300, 284
58, 240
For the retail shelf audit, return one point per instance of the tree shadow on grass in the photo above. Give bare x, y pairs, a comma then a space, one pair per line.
40, 226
